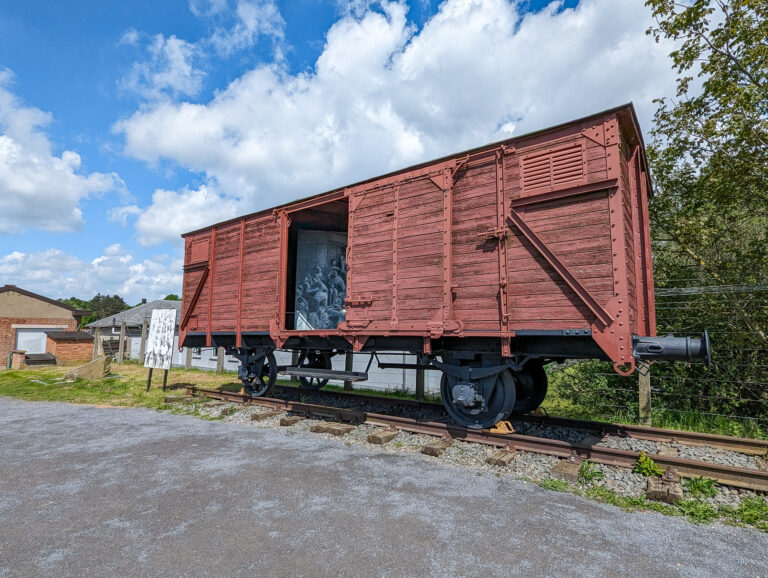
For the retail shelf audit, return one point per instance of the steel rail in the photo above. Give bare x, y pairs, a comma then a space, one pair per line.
727, 475
756, 447
750, 446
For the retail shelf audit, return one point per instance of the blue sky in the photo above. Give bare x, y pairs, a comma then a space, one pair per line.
124, 124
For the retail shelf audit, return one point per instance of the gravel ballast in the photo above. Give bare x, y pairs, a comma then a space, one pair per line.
524, 465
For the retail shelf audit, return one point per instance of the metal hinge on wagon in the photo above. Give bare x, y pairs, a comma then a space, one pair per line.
358, 301
496, 233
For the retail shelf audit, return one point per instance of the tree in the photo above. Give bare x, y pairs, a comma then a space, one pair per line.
709, 221
172, 297
106, 305
76, 303
709, 154
100, 306
709, 216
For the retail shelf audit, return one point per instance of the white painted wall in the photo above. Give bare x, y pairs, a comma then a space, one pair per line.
378, 379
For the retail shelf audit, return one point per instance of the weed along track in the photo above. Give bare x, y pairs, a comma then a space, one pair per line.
671, 455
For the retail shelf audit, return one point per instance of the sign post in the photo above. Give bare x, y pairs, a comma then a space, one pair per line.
159, 353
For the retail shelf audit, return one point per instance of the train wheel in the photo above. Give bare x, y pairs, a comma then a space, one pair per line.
315, 360
257, 387
531, 388
482, 405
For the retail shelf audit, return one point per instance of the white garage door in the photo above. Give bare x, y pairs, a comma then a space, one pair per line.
31, 340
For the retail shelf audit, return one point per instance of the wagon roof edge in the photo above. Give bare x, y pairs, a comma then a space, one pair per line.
626, 107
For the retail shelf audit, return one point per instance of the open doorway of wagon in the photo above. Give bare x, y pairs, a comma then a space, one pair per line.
317, 267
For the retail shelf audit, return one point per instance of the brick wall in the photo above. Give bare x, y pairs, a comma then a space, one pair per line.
8, 332
70, 351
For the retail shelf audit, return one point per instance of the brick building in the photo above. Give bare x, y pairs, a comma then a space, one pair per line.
69, 346
25, 317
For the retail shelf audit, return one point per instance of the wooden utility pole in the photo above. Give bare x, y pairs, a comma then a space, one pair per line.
220, 360
348, 364
644, 394
188, 360
121, 346
96, 342
143, 345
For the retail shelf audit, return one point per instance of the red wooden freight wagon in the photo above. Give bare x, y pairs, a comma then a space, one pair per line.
486, 264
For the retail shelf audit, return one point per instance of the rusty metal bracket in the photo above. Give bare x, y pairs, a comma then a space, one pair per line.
618, 367
439, 181
458, 171
355, 199
586, 297
594, 133
496, 233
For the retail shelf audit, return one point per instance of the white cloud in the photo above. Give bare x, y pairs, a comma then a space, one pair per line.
169, 71
356, 7
121, 214
130, 37
173, 213
57, 274
206, 8
252, 20
174, 67
384, 95
37, 187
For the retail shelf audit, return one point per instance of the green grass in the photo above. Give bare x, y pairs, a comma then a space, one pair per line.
700, 487
555, 485
589, 473
126, 387
751, 512
558, 405
698, 512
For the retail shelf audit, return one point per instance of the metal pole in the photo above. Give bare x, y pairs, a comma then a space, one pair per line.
419, 380
165, 378
188, 360
348, 364
644, 395
143, 345
149, 378
220, 360
121, 346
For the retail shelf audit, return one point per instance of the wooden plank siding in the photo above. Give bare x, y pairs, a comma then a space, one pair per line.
575, 229
545, 231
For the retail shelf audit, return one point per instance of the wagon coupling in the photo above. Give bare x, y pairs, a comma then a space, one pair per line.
670, 348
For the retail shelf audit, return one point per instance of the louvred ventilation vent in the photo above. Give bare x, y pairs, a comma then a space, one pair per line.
553, 168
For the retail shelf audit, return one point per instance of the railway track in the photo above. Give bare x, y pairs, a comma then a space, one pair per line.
748, 446
724, 474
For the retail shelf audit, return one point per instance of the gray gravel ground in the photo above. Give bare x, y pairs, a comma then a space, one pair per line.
105, 491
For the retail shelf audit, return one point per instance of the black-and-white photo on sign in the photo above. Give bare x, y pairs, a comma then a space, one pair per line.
160, 339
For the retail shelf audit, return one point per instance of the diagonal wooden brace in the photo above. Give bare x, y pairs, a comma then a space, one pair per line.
586, 297
195, 297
